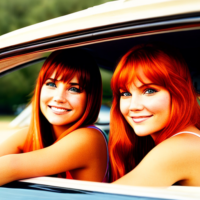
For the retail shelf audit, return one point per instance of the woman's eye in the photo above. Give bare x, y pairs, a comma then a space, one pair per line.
51, 84
74, 89
125, 94
150, 91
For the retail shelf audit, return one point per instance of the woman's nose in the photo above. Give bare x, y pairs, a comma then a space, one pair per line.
136, 103
60, 95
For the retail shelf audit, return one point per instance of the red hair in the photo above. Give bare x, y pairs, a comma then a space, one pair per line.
66, 63
165, 67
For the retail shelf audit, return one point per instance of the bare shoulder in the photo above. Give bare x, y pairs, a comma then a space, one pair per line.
87, 131
84, 147
14, 143
179, 148
88, 135
187, 147
169, 162
177, 156
84, 141
182, 145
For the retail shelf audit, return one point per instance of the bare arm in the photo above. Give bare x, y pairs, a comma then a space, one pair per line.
14, 143
171, 161
84, 151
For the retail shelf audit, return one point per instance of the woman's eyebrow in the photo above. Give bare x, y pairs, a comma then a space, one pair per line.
52, 79
147, 84
71, 83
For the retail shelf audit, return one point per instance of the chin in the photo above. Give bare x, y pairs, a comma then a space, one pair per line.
142, 133
55, 122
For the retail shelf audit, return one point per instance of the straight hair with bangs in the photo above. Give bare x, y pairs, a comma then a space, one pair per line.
65, 64
164, 67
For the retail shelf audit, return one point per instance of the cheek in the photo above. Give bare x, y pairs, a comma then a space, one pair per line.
160, 104
44, 97
124, 106
79, 102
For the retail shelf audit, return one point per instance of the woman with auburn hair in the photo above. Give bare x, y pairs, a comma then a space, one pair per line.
157, 139
61, 139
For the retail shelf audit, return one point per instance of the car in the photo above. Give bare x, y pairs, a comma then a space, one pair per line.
107, 31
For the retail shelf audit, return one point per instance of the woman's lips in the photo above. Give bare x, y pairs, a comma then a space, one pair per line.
141, 118
59, 110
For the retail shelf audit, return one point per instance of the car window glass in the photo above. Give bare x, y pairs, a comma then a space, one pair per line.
15, 94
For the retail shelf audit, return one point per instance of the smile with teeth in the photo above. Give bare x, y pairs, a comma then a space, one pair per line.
60, 110
140, 119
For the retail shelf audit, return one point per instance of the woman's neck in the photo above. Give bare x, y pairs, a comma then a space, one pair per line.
58, 130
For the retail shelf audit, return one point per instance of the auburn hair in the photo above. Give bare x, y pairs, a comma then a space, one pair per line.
65, 64
164, 66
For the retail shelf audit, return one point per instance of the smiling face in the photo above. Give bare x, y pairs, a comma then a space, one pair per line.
62, 103
145, 106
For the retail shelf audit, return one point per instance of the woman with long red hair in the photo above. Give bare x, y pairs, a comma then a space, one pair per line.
157, 139
61, 139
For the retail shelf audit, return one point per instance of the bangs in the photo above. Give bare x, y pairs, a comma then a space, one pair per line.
127, 75
65, 74
151, 68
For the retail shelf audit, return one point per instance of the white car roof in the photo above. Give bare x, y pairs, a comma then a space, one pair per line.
109, 13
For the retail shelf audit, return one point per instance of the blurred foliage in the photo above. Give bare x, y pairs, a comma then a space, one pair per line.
15, 14
6, 118
16, 87
107, 92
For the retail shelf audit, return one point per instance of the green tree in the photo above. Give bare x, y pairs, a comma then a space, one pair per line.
16, 87
15, 14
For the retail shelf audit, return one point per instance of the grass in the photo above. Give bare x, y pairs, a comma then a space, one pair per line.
7, 118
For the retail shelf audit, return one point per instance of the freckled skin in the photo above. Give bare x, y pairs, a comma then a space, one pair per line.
151, 102
63, 96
